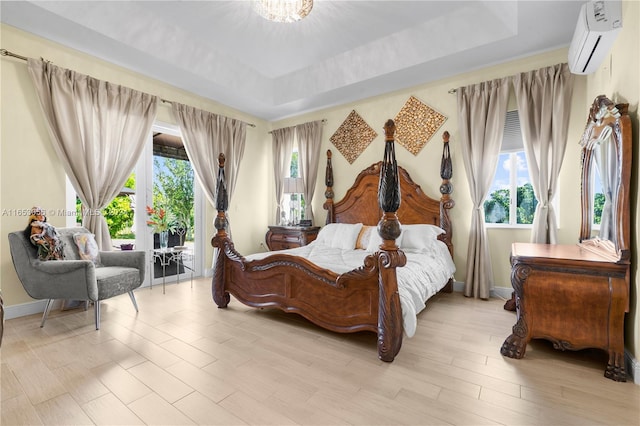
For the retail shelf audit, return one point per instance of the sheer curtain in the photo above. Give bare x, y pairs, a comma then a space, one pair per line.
482, 110
205, 136
282, 147
309, 141
98, 129
544, 105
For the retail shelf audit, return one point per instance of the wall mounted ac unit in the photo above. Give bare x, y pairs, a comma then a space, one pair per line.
598, 26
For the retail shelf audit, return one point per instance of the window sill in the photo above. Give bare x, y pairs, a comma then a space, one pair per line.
506, 226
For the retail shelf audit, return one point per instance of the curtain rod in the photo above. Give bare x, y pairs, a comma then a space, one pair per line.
324, 120
248, 124
5, 52
453, 91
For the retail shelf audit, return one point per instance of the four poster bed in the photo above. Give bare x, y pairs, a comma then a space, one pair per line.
341, 282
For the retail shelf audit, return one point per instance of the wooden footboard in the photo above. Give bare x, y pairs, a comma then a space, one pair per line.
346, 303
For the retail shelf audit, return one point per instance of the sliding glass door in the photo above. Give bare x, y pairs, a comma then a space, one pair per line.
168, 196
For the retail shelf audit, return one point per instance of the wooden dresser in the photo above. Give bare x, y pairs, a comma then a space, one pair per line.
286, 237
571, 296
576, 295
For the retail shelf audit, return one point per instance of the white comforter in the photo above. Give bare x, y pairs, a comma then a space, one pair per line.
426, 272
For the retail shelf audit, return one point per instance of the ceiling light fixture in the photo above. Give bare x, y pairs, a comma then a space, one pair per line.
283, 10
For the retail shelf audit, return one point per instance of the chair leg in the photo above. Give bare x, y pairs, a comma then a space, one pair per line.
46, 311
97, 310
133, 299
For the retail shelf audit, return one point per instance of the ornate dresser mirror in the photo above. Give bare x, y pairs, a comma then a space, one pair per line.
606, 158
576, 295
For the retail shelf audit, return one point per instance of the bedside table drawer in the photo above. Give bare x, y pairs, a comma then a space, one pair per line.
294, 238
286, 237
282, 245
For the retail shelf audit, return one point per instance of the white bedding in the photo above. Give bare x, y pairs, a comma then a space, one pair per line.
428, 269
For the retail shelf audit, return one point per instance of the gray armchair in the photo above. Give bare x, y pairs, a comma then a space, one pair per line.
75, 279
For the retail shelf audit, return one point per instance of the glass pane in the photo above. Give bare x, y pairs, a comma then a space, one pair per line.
293, 203
496, 206
294, 167
526, 201
598, 197
173, 192
119, 216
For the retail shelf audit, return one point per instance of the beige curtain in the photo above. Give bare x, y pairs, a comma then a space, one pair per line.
98, 130
205, 136
482, 110
309, 142
282, 147
544, 105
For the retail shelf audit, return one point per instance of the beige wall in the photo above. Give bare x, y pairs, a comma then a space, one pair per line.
31, 174
425, 167
25, 141
619, 78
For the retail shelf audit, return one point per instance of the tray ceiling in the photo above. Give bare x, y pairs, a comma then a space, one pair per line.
342, 52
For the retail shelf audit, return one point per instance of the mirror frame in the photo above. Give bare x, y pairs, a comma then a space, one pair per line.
605, 116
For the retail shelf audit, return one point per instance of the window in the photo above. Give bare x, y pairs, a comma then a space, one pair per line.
511, 200
294, 203
118, 213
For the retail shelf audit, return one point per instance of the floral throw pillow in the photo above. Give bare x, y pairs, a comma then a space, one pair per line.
87, 247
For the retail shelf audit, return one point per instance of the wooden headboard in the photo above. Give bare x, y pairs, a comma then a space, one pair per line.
360, 203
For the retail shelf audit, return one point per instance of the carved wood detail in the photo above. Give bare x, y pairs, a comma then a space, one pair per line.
574, 297
364, 299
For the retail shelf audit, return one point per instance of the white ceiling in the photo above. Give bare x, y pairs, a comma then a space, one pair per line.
342, 52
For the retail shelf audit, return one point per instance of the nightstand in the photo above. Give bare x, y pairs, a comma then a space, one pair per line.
285, 237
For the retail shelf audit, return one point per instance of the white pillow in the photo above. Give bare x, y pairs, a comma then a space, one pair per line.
375, 240
420, 236
363, 237
339, 235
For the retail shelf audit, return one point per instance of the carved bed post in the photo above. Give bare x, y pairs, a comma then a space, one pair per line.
221, 239
328, 193
446, 202
389, 257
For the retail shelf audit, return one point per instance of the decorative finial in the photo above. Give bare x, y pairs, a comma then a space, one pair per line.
389, 130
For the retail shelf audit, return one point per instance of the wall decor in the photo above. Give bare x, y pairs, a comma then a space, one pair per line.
353, 136
416, 123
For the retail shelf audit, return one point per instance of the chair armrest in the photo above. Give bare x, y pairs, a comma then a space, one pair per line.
127, 258
65, 279
61, 266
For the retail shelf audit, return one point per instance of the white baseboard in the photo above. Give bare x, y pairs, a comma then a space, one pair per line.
29, 308
503, 293
458, 286
633, 367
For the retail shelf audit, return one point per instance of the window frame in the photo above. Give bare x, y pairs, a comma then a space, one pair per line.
512, 144
286, 203
513, 195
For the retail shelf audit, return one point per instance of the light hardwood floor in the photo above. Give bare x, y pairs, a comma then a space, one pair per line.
181, 360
